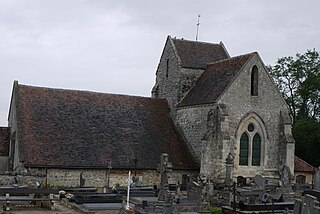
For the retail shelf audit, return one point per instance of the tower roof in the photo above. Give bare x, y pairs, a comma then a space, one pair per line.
194, 54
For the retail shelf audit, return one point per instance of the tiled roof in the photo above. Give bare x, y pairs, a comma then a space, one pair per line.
4, 141
214, 80
198, 54
302, 166
69, 128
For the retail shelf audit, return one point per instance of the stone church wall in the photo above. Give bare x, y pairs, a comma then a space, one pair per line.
172, 81
167, 77
193, 123
267, 105
9, 178
98, 178
94, 177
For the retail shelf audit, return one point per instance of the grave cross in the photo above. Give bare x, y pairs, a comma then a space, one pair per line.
163, 168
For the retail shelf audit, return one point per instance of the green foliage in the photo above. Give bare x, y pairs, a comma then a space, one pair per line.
214, 210
306, 132
299, 81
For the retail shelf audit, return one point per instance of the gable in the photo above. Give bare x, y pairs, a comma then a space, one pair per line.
68, 128
214, 81
197, 55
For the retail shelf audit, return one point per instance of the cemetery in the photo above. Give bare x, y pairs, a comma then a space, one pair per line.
215, 133
259, 196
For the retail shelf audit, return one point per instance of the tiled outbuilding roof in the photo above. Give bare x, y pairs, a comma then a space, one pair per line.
302, 166
214, 80
4, 141
69, 128
198, 54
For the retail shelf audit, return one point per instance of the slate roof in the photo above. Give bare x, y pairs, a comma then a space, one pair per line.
69, 129
198, 54
214, 80
4, 141
302, 166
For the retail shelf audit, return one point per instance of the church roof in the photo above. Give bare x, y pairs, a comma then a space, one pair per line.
302, 166
69, 128
4, 141
195, 54
214, 80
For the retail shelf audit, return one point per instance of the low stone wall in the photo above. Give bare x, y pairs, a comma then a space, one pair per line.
22, 179
93, 177
98, 177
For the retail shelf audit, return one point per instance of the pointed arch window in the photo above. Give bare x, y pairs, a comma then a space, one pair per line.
251, 143
256, 150
244, 149
254, 81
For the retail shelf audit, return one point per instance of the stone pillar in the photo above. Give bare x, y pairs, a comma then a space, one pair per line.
229, 167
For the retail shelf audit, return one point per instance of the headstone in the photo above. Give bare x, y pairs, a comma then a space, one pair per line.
163, 168
135, 181
194, 193
316, 181
260, 181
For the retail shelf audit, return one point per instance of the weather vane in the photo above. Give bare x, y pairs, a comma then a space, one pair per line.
198, 27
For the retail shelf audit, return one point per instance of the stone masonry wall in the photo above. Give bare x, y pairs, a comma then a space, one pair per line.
167, 79
22, 179
172, 81
98, 178
193, 123
267, 105
235, 105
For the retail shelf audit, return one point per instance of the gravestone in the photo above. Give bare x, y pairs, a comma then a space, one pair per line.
260, 181
163, 168
316, 181
286, 179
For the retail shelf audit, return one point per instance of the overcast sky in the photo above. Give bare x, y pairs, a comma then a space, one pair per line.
115, 46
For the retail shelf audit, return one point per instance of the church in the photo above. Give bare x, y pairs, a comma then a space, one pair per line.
205, 106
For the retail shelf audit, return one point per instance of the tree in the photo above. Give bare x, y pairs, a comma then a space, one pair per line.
306, 132
299, 81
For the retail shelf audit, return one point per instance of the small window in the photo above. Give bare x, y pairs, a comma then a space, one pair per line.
256, 150
250, 127
254, 81
301, 179
244, 150
167, 68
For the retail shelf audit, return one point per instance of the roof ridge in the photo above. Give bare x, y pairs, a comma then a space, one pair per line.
202, 42
231, 58
86, 91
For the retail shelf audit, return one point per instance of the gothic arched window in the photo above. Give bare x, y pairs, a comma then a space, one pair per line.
244, 149
251, 141
254, 81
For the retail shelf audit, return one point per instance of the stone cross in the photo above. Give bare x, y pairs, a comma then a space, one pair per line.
316, 179
286, 178
229, 165
163, 168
